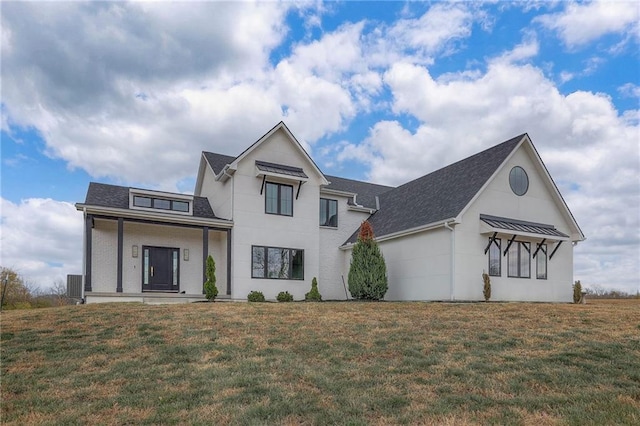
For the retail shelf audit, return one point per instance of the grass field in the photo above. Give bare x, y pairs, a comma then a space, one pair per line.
323, 363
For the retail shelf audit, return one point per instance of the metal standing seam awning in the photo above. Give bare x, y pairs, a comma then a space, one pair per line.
264, 169
514, 227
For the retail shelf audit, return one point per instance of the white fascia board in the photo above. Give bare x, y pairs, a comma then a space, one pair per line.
361, 209
417, 229
148, 215
200, 178
562, 204
541, 167
281, 125
337, 192
226, 172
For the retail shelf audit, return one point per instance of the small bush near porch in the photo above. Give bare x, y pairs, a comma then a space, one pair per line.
323, 363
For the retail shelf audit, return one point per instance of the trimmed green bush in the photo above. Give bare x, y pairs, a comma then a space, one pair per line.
210, 289
486, 290
284, 296
368, 271
577, 292
314, 294
255, 296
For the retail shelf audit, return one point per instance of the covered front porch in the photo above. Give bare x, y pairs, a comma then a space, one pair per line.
131, 259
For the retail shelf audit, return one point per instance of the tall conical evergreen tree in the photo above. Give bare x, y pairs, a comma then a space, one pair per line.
368, 271
210, 289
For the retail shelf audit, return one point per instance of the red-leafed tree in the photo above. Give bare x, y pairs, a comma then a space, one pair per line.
368, 271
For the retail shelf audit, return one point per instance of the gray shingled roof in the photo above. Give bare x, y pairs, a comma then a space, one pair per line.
218, 161
366, 192
439, 195
114, 196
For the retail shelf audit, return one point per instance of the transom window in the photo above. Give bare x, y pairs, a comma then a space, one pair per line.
277, 263
541, 263
519, 261
328, 212
160, 203
495, 259
279, 199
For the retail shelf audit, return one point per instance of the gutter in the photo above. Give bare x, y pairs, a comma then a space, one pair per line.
160, 217
428, 227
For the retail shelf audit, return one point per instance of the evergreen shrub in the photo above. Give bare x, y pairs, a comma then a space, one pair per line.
368, 271
577, 292
314, 294
284, 296
256, 296
210, 289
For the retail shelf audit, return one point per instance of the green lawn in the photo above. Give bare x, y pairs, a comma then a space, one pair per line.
323, 363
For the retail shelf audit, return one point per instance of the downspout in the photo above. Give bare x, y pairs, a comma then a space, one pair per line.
453, 260
84, 251
225, 173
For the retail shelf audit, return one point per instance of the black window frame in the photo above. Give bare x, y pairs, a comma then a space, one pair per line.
327, 209
519, 247
142, 197
265, 266
542, 254
154, 203
495, 243
279, 198
158, 201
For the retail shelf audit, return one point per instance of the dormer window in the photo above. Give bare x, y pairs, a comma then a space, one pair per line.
147, 200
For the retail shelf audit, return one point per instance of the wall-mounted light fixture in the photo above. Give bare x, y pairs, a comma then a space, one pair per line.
185, 254
134, 251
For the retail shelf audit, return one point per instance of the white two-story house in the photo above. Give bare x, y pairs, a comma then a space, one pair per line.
273, 221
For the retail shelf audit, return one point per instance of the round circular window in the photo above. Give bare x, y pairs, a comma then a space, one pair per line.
518, 180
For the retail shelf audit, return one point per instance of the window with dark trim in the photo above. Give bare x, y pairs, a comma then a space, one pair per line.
541, 263
328, 212
278, 199
519, 260
495, 259
277, 263
160, 203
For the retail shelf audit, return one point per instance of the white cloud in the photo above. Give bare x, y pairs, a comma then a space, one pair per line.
629, 90
438, 32
582, 23
435, 30
135, 91
41, 240
524, 51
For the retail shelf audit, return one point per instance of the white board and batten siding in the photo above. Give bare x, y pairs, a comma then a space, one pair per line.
253, 226
539, 205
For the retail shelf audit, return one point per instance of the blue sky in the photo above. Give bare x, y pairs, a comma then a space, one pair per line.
131, 93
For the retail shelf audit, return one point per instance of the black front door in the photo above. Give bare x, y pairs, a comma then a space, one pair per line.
160, 269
